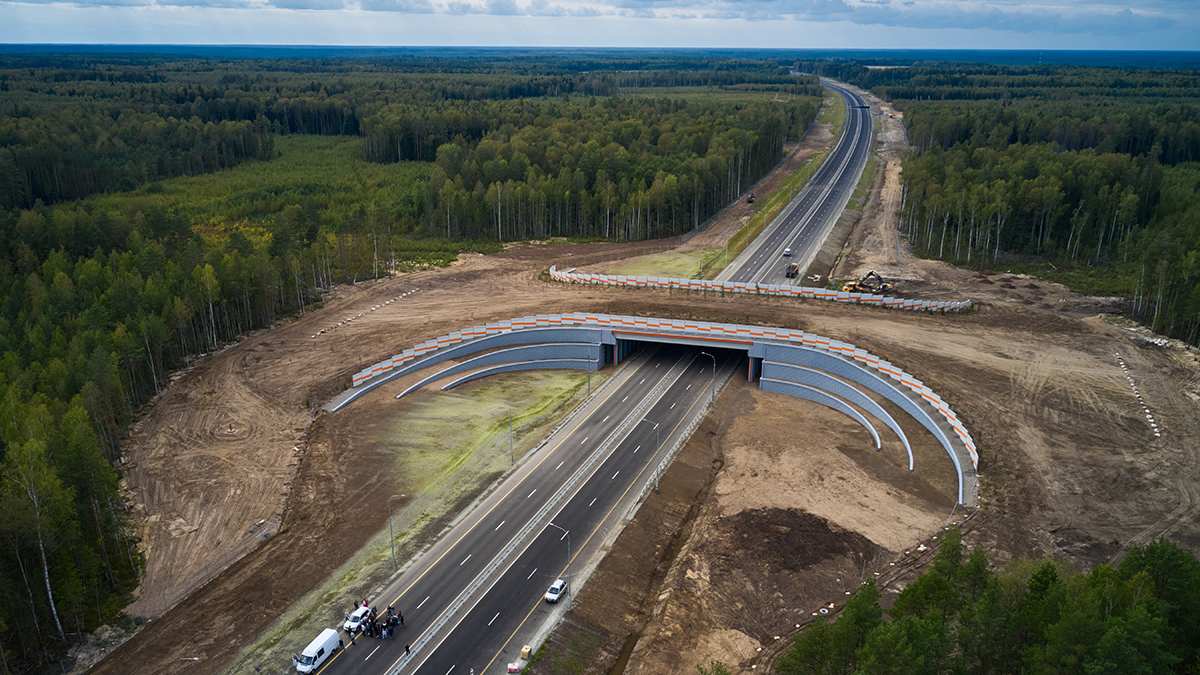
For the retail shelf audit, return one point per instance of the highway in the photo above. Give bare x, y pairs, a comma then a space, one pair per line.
471, 599
810, 216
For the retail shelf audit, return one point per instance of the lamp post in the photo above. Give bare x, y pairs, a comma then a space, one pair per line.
190, 658
568, 536
657, 449
392, 537
712, 401
511, 459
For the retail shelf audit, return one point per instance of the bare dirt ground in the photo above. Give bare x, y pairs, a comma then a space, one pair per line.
774, 506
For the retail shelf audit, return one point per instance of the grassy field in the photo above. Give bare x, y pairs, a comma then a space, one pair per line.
834, 112
327, 169
446, 446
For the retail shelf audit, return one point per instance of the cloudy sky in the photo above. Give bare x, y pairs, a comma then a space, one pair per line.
915, 24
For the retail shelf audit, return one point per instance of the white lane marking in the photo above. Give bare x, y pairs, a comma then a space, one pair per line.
672, 406
564, 536
593, 501
624, 399
657, 365
643, 381
606, 418
500, 525
614, 476
465, 559
451, 669
424, 601
531, 493
584, 440
530, 574
494, 618
372, 652
637, 448
687, 387
560, 465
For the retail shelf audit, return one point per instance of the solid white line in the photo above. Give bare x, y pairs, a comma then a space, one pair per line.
530, 575
465, 559
494, 618
372, 652
500, 525
424, 601
531, 493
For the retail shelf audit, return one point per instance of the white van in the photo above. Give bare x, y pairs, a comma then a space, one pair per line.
321, 648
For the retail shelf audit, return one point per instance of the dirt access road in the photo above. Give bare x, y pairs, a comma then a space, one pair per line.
1069, 464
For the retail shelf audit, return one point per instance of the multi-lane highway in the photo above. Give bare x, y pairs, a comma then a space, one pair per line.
472, 598
808, 219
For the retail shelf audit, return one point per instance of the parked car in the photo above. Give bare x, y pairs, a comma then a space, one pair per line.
556, 590
321, 648
354, 623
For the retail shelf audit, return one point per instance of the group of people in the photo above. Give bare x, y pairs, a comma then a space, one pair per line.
378, 625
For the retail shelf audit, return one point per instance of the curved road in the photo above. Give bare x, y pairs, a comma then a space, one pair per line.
808, 219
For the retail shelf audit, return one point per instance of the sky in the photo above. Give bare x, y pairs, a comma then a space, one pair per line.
799, 24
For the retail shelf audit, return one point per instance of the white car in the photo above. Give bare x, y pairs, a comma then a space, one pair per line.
787, 252
556, 590
354, 623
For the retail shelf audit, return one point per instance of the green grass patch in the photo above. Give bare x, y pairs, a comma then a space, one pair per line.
329, 170
864, 181
674, 264
834, 112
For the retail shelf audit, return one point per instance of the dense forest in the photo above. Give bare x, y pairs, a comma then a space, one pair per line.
960, 618
153, 209
1089, 176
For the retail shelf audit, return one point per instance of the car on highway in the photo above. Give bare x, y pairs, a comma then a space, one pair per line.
355, 621
787, 252
556, 590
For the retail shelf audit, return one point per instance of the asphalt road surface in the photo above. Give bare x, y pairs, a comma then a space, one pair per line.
468, 606
808, 219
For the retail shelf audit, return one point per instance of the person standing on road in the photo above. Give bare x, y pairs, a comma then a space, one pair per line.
407, 650
400, 615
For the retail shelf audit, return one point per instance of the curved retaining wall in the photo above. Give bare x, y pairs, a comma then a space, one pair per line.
826, 382
817, 396
536, 352
574, 276
573, 364
833, 356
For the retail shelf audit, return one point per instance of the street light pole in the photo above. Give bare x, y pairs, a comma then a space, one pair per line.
190, 658
712, 401
569, 588
392, 537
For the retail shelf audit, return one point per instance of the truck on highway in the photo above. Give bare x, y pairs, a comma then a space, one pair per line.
792, 270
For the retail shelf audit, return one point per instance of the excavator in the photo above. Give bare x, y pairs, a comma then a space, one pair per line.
871, 283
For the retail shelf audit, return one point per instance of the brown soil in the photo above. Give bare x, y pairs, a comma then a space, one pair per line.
773, 508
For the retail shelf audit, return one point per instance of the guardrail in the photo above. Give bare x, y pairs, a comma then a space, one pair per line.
750, 288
